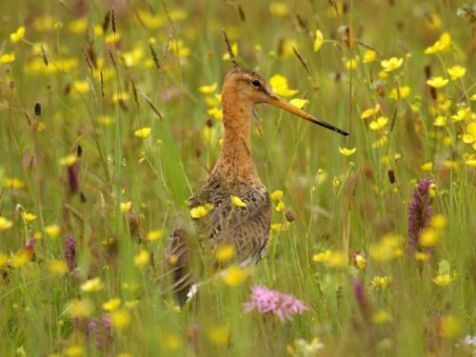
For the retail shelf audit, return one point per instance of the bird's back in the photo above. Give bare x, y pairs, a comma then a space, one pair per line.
245, 228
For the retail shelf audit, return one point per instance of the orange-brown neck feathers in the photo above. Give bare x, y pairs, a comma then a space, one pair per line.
235, 161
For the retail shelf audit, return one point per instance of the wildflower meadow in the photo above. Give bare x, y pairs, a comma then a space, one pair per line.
111, 117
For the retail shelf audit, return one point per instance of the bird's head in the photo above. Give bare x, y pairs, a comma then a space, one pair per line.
251, 87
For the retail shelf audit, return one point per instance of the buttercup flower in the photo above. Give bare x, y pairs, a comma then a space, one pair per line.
391, 64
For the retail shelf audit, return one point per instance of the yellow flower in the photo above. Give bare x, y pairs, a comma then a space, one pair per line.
470, 162
120, 319
473, 98
171, 342
278, 8
379, 123
351, 64
208, 89
456, 72
461, 114
125, 206
29, 217
276, 195
7, 58
298, 102
360, 261
400, 93
13, 183
58, 266
21, 258
387, 249
120, 97
213, 101
235, 276
427, 166
281, 227
391, 64
142, 132
369, 56
80, 86
224, 253
5, 224
433, 21
79, 25
201, 211
112, 38
18, 34
469, 136
440, 121
437, 82
43, 23
74, 350
381, 317
383, 75
92, 285
429, 237
238, 202
450, 326
337, 259
219, 335
234, 48
178, 14
98, 31
443, 279
279, 85
318, 41
53, 230
80, 308
286, 48
280, 206
142, 258
381, 282
106, 120
347, 152
149, 20
215, 113
322, 257
370, 112
69, 160
155, 234
421, 256
451, 164
3, 260
111, 304
442, 44
438, 221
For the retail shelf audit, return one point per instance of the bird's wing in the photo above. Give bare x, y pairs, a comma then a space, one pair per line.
246, 228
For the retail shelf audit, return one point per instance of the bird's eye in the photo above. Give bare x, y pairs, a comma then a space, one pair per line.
256, 83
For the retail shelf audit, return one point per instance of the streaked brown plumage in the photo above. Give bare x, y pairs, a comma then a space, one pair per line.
244, 228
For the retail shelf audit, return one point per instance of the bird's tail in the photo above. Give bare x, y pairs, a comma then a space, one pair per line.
177, 258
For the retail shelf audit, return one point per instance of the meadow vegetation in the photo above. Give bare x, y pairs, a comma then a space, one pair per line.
110, 118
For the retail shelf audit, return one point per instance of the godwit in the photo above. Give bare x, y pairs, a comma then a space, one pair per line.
245, 226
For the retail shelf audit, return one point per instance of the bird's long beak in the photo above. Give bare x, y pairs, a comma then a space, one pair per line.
283, 104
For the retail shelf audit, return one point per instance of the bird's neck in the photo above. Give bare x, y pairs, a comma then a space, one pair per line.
235, 161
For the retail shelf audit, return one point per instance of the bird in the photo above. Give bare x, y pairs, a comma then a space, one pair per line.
238, 208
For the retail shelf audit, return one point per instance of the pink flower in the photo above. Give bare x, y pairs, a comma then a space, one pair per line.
282, 305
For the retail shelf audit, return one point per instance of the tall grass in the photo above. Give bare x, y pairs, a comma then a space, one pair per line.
345, 205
